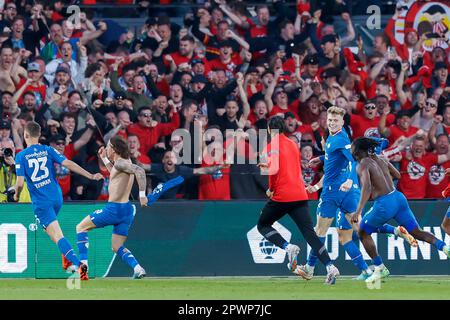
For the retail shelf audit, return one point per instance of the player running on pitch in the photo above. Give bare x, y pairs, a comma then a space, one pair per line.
288, 195
36, 165
376, 182
119, 211
339, 196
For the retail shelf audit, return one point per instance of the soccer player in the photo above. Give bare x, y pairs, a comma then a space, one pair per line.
287, 194
339, 196
119, 211
446, 194
376, 183
36, 165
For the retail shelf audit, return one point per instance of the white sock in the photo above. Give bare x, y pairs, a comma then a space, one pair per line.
329, 267
85, 262
368, 271
396, 231
379, 268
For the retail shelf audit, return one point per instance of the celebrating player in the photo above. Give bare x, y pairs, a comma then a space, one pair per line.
287, 194
36, 165
119, 211
376, 182
339, 196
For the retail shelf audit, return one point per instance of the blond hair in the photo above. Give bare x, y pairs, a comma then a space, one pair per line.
336, 111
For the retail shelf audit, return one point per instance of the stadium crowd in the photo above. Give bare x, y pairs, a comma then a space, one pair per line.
86, 81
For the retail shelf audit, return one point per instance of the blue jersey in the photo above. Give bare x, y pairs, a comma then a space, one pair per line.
339, 164
36, 164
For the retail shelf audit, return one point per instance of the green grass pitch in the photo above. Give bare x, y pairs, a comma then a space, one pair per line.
245, 288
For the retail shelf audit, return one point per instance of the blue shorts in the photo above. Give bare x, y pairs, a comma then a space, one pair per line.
46, 212
336, 204
119, 215
390, 206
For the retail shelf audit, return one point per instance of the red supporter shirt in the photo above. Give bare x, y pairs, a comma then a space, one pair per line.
396, 133
363, 127
437, 180
148, 137
285, 173
231, 68
258, 31
414, 175
177, 58
38, 91
214, 187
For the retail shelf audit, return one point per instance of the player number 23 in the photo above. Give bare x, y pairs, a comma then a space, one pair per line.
37, 165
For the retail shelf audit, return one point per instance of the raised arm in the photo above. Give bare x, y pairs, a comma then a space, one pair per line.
399, 84
207, 170
73, 167
128, 167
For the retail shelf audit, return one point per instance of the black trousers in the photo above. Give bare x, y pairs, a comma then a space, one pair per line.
299, 212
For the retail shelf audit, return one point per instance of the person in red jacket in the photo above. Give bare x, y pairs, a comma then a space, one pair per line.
149, 131
287, 194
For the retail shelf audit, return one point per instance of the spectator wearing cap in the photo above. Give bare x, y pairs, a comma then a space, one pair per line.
34, 83
400, 130
366, 125
76, 69
200, 66
5, 129
329, 53
227, 60
440, 76
63, 176
437, 179
310, 67
150, 131
62, 84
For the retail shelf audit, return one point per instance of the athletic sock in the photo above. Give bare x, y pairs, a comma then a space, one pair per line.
66, 249
387, 228
83, 244
377, 261
127, 257
354, 253
312, 257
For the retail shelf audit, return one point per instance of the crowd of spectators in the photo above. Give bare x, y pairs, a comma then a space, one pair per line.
221, 69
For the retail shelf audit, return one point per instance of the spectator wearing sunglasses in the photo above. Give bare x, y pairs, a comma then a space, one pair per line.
366, 124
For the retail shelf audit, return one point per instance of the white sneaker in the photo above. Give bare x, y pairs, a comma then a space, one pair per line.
374, 277
304, 271
403, 233
139, 272
332, 274
292, 252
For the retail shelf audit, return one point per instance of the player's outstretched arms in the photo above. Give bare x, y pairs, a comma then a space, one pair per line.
128, 167
73, 167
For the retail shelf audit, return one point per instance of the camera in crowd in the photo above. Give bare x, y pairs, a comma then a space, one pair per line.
7, 152
10, 192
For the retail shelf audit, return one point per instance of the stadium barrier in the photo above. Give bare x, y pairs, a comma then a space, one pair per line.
193, 238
